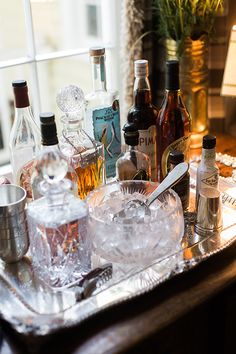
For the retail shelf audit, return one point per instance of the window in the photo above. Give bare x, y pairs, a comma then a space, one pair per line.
92, 20
46, 42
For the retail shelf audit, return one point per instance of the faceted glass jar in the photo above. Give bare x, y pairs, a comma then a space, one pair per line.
58, 238
137, 240
84, 155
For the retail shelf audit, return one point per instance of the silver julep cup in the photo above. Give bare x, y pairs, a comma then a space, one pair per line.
209, 211
14, 240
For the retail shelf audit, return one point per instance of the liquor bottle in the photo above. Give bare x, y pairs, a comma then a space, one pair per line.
144, 114
182, 187
50, 147
84, 154
173, 122
102, 112
24, 141
133, 164
207, 171
57, 223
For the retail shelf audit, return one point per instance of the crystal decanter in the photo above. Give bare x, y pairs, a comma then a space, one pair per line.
84, 154
57, 226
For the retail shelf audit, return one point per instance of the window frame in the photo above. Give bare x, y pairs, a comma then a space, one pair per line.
109, 9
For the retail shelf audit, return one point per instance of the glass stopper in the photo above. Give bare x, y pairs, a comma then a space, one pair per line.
70, 99
53, 166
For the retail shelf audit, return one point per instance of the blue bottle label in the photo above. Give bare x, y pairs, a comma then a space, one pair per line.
106, 126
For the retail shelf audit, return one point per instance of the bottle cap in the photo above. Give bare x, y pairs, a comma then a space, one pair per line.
209, 142
131, 134
96, 51
20, 90
19, 83
141, 68
48, 129
172, 75
176, 157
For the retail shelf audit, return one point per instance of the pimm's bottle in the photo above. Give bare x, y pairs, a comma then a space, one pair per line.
144, 114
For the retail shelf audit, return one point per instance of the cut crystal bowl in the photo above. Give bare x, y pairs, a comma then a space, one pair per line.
134, 238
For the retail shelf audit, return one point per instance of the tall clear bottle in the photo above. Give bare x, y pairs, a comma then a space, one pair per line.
102, 112
24, 141
84, 154
144, 114
173, 122
207, 171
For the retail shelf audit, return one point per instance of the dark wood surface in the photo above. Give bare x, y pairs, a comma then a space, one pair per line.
225, 144
192, 313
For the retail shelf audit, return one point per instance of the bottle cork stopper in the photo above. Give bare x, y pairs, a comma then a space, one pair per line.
141, 68
96, 51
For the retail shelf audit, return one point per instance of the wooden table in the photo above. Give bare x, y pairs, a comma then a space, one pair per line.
192, 313
225, 144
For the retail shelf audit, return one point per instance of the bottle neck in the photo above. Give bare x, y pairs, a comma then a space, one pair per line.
142, 92
24, 112
49, 135
50, 148
71, 127
172, 166
173, 97
208, 156
99, 73
130, 148
21, 97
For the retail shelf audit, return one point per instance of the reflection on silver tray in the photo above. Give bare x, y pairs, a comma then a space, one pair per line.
32, 308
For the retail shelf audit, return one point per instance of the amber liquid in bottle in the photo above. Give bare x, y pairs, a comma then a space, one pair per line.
173, 122
144, 114
89, 177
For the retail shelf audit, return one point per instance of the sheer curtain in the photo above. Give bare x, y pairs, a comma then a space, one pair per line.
132, 28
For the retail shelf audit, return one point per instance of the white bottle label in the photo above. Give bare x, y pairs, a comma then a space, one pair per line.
210, 180
147, 145
207, 172
106, 124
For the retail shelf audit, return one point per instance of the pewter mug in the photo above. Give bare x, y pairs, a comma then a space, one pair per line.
209, 211
14, 241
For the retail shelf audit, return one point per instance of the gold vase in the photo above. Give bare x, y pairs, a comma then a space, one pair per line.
193, 82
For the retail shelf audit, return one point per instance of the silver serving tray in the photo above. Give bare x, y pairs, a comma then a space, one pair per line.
32, 308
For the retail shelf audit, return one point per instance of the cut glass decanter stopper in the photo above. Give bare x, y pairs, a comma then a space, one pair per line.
83, 153
53, 166
70, 99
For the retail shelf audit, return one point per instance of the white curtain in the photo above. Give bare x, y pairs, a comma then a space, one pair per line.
132, 27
